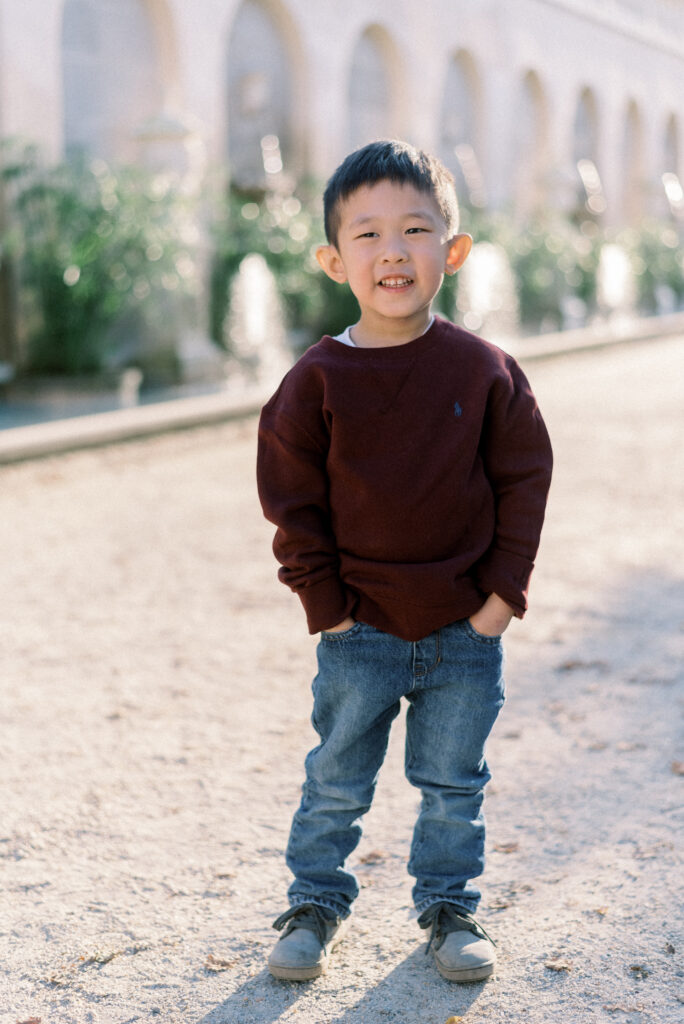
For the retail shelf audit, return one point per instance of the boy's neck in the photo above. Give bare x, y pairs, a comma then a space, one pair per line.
371, 333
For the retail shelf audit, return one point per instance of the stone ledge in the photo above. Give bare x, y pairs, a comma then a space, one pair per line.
612, 332
41, 439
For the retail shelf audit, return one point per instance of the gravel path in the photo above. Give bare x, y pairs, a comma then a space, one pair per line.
155, 699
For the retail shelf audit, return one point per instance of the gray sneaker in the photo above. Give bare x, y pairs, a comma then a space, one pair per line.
301, 953
462, 949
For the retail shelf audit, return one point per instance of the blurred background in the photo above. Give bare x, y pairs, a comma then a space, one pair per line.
162, 164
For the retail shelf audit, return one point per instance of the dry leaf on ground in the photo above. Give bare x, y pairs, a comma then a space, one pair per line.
556, 964
214, 963
374, 857
574, 664
639, 971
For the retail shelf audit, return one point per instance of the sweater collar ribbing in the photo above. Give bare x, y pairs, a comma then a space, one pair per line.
388, 353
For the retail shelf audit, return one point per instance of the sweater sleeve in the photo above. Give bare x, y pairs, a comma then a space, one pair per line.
517, 455
293, 490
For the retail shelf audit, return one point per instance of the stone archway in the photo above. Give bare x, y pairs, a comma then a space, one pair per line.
589, 196
112, 75
374, 88
671, 199
671, 154
264, 137
632, 162
530, 145
460, 131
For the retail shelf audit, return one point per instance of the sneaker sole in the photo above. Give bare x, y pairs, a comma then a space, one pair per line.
466, 973
297, 973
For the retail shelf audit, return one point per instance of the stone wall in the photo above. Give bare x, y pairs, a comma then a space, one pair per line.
513, 94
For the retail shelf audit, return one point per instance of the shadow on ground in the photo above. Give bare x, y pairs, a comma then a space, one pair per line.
409, 993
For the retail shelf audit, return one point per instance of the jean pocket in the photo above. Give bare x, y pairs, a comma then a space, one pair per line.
481, 638
343, 634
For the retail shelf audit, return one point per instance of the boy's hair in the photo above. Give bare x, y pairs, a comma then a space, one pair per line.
390, 160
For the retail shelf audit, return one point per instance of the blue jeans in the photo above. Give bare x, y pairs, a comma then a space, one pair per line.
453, 682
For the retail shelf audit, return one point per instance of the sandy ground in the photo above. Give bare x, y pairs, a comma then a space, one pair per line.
155, 699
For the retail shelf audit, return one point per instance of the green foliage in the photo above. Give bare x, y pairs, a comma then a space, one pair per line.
554, 261
657, 258
93, 244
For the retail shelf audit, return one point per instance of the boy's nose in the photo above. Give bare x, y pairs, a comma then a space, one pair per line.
394, 253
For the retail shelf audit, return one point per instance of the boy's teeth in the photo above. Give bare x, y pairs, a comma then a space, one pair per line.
395, 282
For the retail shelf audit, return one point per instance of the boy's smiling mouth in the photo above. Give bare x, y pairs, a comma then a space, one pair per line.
395, 282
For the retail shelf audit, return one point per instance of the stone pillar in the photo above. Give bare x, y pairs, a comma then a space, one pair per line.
30, 72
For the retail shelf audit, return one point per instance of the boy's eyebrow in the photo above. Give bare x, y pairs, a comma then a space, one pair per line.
412, 215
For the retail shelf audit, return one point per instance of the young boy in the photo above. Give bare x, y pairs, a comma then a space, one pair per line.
406, 466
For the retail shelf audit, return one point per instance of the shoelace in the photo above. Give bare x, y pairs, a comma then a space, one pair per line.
447, 918
308, 916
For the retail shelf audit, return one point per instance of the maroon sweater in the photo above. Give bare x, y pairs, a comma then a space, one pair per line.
406, 483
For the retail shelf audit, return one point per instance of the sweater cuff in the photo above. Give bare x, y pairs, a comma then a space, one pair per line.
326, 603
508, 575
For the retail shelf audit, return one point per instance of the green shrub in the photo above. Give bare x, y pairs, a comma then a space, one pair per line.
657, 258
94, 245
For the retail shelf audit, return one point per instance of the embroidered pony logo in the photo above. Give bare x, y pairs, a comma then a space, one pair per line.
458, 411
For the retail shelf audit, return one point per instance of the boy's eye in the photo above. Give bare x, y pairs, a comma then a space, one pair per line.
411, 231
369, 234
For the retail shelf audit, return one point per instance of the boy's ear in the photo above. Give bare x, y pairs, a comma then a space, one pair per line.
330, 261
459, 248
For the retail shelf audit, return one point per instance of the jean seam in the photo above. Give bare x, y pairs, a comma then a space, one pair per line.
438, 653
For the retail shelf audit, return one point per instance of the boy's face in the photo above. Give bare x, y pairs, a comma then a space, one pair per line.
393, 249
